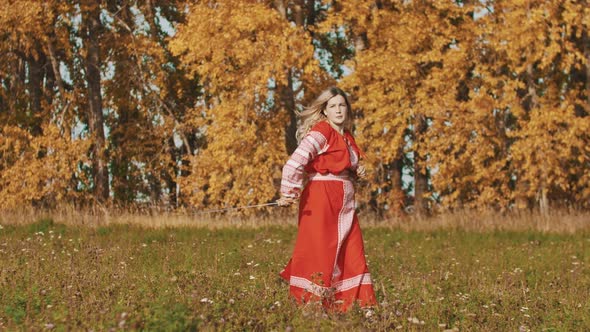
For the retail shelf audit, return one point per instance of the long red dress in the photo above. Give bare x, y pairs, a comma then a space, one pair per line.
328, 262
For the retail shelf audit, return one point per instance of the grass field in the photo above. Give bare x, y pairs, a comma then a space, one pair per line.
117, 276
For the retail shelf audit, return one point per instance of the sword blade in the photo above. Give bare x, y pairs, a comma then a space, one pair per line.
237, 208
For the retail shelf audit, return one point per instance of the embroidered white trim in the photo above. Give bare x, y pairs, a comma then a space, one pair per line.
288, 183
344, 285
308, 285
345, 218
340, 286
336, 273
354, 159
329, 177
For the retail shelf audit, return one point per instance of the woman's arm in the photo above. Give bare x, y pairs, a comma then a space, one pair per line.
310, 147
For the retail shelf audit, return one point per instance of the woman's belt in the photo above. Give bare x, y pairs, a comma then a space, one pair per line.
343, 176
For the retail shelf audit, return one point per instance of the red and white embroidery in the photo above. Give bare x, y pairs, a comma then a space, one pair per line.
340, 286
312, 145
350, 283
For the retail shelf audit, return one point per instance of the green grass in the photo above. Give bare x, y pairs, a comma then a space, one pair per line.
78, 278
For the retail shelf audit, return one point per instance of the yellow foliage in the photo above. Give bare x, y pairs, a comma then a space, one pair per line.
488, 141
40, 169
243, 51
482, 106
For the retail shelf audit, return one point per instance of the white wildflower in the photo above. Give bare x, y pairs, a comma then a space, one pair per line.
415, 320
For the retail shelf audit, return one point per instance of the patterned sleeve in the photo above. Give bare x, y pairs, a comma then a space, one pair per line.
313, 144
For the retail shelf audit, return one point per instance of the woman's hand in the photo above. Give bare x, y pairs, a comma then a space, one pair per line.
361, 171
286, 201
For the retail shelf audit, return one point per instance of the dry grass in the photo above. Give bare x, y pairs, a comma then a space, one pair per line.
122, 277
557, 221
73, 269
152, 219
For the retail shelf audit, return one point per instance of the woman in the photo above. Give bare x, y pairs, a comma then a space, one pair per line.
328, 261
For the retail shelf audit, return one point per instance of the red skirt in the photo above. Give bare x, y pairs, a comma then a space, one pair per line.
328, 262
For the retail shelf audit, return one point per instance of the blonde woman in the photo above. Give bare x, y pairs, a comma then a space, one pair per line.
328, 262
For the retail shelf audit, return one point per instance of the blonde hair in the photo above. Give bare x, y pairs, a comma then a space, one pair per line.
313, 114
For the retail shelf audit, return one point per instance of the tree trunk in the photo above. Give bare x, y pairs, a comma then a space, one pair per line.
398, 202
95, 115
288, 101
286, 93
35, 91
360, 42
281, 8
586, 42
298, 13
58, 81
420, 175
529, 102
155, 190
172, 178
311, 13
542, 190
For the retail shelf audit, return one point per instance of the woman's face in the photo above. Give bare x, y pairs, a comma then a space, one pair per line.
336, 110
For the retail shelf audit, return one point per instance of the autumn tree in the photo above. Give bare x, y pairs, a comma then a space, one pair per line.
409, 59
147, 96
459, 104
254, 66
548, 157
39, 165
109, 81
447, 82
23, 62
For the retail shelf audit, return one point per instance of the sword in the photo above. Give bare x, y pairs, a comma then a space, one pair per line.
237, 208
